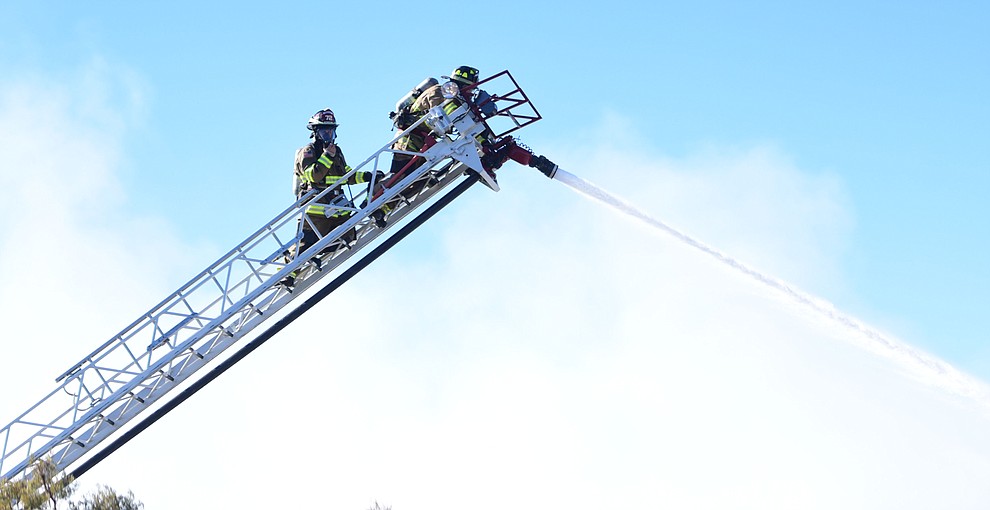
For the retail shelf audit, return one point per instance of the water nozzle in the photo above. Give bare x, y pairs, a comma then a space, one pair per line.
541, 163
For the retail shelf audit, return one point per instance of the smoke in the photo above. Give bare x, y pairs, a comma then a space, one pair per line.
522, 349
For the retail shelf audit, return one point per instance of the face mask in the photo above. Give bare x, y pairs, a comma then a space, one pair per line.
326, 134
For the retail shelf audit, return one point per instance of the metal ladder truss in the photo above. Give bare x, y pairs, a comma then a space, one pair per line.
120, 379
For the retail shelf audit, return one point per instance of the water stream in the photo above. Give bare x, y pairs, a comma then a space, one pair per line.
920, 364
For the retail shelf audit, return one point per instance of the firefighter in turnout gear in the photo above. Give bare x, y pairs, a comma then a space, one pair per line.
428, 98
320, 165
410, 109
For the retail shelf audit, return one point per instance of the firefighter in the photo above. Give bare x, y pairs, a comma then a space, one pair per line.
320, 164
419, 104
432, 96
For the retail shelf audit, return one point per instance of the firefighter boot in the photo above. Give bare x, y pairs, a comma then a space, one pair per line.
379, 216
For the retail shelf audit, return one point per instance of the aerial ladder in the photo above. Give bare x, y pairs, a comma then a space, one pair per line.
217, 310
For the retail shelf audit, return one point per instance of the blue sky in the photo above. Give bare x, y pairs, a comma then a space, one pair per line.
887, 96
839, 148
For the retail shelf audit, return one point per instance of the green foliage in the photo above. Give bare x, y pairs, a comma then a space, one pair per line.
106, 498
42, 489
46, 489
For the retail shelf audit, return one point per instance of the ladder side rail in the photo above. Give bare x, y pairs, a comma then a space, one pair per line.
370, 207
124, 395
128, 386
387, 147
432, 159
193, 287
155, 368
72, 451
254, 266
97, 368
96, 411
296, 205
287, 212
51, 424
93, 361
24, 421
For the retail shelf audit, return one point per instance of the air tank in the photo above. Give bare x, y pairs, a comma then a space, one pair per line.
408, 99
